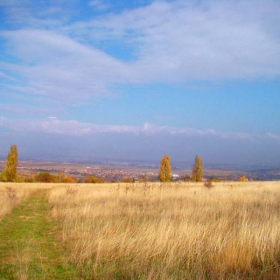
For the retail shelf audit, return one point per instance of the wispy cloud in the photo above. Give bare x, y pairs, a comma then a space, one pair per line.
99, 5
28, 110
54, 125
272, 136
58, 67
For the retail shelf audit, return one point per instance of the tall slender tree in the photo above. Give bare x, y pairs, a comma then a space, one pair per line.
197, 171
11, 164
164, 174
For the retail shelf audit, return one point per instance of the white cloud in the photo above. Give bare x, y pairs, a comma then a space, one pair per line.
58, 67
171, 42
178, 41
54, 125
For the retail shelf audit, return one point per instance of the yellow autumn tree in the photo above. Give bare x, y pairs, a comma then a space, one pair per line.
164, 174
197, 171
243, 179
11, 164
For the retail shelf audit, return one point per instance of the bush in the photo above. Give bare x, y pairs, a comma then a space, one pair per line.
45, 177
19, 179
68, 180
93, 179
29, 180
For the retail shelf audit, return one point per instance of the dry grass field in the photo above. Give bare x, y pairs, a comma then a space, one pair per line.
171, 231
140, 231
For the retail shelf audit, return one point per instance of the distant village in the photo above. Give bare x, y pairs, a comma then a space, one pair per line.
79, 173
116, 173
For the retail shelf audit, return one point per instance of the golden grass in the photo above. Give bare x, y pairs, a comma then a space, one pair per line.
171, 231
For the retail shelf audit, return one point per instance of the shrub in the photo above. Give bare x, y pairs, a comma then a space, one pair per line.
19, 179
29, 180
93, 179
68, 180
45, 177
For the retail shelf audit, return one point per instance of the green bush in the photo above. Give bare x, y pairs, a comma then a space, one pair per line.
19, 179
29, 180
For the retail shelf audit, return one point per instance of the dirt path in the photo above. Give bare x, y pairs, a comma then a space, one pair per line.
28, 249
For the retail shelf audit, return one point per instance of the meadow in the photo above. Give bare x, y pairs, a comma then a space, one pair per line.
163, 231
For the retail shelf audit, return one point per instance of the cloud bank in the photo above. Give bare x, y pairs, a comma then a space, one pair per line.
52, 125
165, 42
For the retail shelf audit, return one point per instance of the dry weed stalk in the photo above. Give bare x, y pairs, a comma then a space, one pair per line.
12, 195
70, 190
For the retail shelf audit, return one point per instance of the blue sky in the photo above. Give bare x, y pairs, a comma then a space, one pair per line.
138, 79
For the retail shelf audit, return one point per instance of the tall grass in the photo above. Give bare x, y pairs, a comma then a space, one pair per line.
171, 231
10, 196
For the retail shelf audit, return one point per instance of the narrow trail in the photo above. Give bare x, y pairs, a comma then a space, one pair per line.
28, 249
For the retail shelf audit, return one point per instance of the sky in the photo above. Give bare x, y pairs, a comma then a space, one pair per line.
138, 79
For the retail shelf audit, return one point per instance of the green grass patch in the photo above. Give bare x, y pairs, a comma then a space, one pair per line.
28, 248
